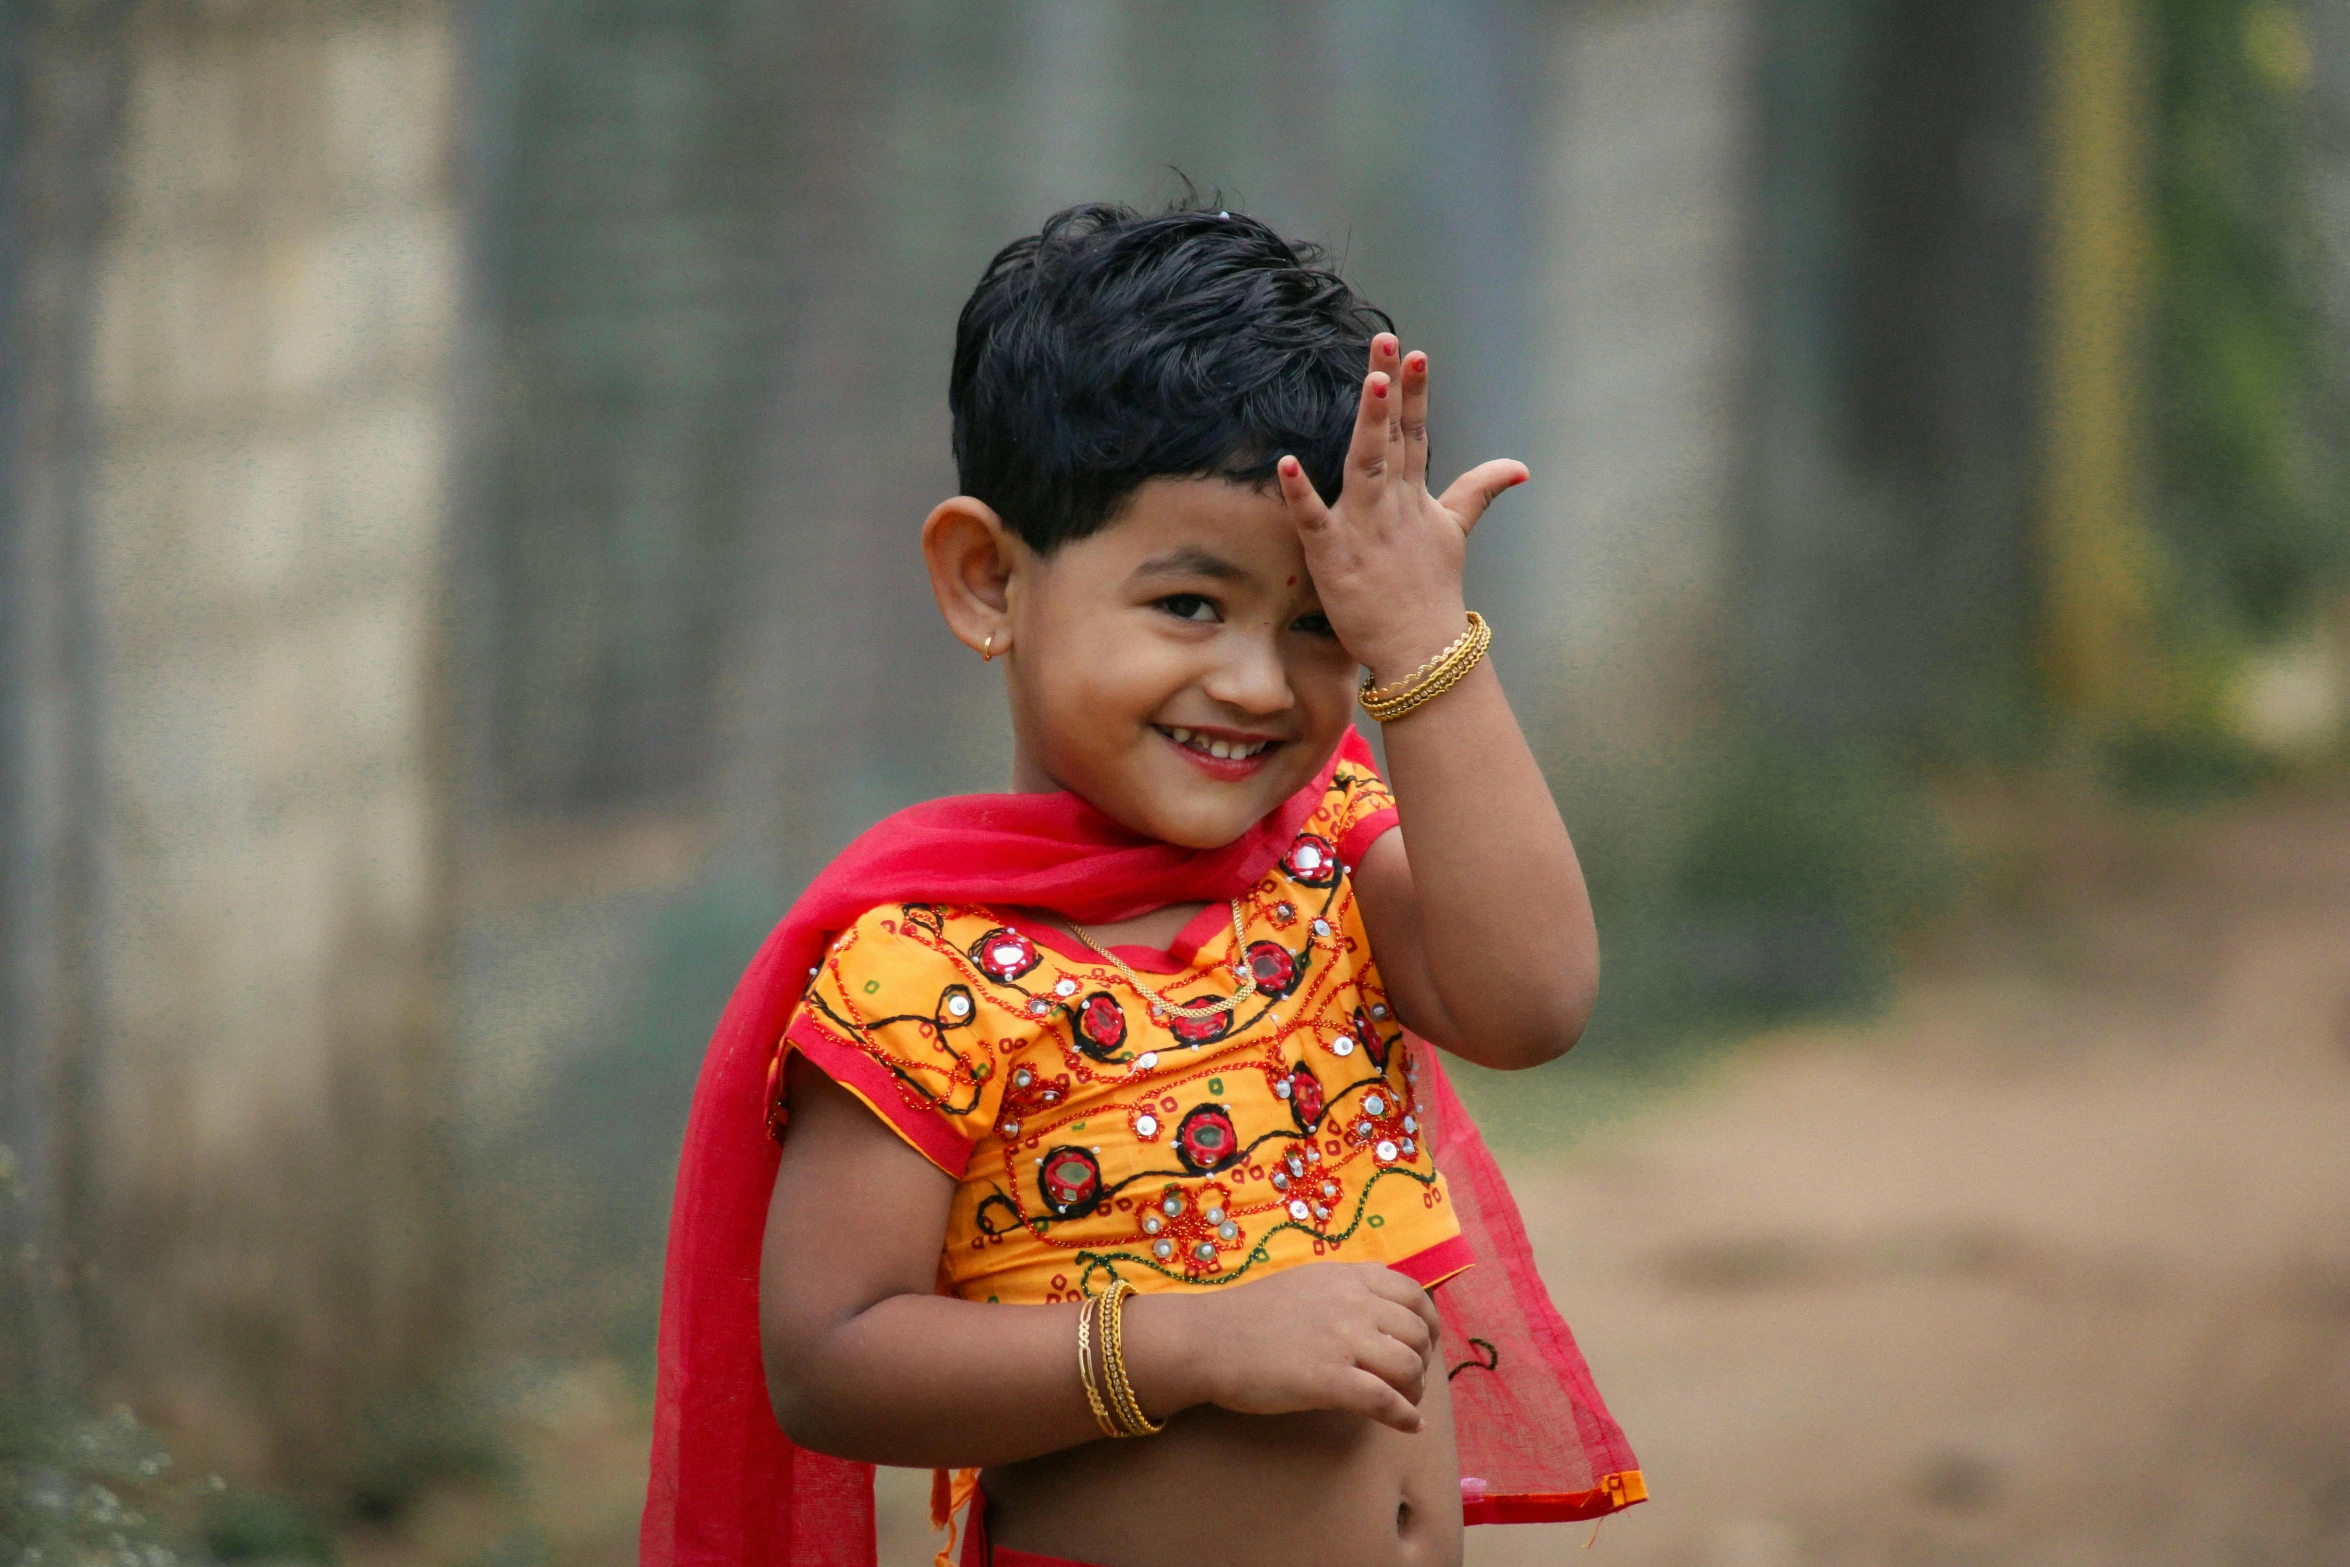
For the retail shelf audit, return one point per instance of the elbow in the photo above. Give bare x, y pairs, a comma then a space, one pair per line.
1545, 1029
805, 1425
806, 1416
1572, 1002
1572, 1016
789, 1401
1550, 1007
1517, 1044
796, 1398
1544, 1042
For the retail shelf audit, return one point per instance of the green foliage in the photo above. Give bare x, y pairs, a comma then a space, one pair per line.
2184, 767
408, 1443
2251, 420
77, 1491
1802, 867
260, 1526
597, 1154
1758, 883
523, 1546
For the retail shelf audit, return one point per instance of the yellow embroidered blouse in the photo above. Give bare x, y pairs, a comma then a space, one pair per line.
1095, 1136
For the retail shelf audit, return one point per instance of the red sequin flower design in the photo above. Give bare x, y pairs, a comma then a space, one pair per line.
1071, 1179
1303, 1090
1206, 1141
1312, 861
1199, 1030
1101, 1025
1004, 955
1274, 970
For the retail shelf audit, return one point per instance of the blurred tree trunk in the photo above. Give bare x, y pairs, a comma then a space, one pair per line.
62, 75
2098, 632
226, 919
1885, 546
801, 707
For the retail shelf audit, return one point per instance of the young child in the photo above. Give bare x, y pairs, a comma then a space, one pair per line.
1118, 1166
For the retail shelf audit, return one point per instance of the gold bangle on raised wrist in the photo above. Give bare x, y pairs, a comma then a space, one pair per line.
1432, 679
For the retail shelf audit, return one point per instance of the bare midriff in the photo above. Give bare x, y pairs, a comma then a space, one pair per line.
1243, 1491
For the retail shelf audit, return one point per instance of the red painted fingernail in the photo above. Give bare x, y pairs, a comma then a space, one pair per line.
1419, 361
1289, 466
1378, 386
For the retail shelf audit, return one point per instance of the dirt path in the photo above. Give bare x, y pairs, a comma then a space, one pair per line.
2051, 1264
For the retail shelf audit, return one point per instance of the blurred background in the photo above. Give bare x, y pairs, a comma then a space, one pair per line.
459, 474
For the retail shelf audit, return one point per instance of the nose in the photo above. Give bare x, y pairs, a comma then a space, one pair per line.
1250, 674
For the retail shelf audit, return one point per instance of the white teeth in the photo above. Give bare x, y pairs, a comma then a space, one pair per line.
1207, 746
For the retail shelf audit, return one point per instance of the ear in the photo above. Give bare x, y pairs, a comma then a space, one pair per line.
972, 556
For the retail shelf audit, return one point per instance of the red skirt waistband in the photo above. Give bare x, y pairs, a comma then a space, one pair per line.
976, 1552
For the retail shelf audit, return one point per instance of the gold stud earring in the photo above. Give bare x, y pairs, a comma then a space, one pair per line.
987, 649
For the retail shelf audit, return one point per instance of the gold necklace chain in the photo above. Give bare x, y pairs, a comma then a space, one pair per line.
1192, 1011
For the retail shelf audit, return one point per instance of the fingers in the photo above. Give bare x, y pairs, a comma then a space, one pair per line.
1412, 420
1425, 1304
1401, 1290
1404, 1290
1395, 1364
1384, 1281
1305, 505
1362, 1393
1377, 442
1404, 1325
1372, 1334
1387, 360
1473, 491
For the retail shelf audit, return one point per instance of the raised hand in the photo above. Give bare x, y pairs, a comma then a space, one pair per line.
1387, 558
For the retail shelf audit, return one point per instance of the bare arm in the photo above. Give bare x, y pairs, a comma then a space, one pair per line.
864, 1361
1484, 931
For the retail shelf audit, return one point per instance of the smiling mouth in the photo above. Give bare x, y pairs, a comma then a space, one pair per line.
1216, 746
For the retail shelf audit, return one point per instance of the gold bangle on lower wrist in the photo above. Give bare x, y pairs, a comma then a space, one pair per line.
1085, 1374
1121, 1389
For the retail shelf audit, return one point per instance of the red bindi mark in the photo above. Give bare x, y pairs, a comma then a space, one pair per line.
1293, 582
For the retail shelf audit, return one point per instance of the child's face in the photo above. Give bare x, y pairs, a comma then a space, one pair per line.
1186, 624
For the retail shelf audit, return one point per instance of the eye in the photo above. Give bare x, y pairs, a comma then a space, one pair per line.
1188, 606
1315, 624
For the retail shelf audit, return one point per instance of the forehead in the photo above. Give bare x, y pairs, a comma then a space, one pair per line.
1190, 527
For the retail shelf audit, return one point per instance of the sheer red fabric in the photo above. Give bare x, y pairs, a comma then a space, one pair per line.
729, 1488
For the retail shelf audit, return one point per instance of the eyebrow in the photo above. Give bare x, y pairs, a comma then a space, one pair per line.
1191, 561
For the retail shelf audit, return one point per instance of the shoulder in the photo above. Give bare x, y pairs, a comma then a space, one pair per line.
949, 965
931, 938
1355, 810
898, 1012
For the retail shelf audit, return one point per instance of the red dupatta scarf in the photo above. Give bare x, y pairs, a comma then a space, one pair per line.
729, 1489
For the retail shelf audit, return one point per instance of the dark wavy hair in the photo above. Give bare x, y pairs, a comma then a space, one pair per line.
1110, 348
